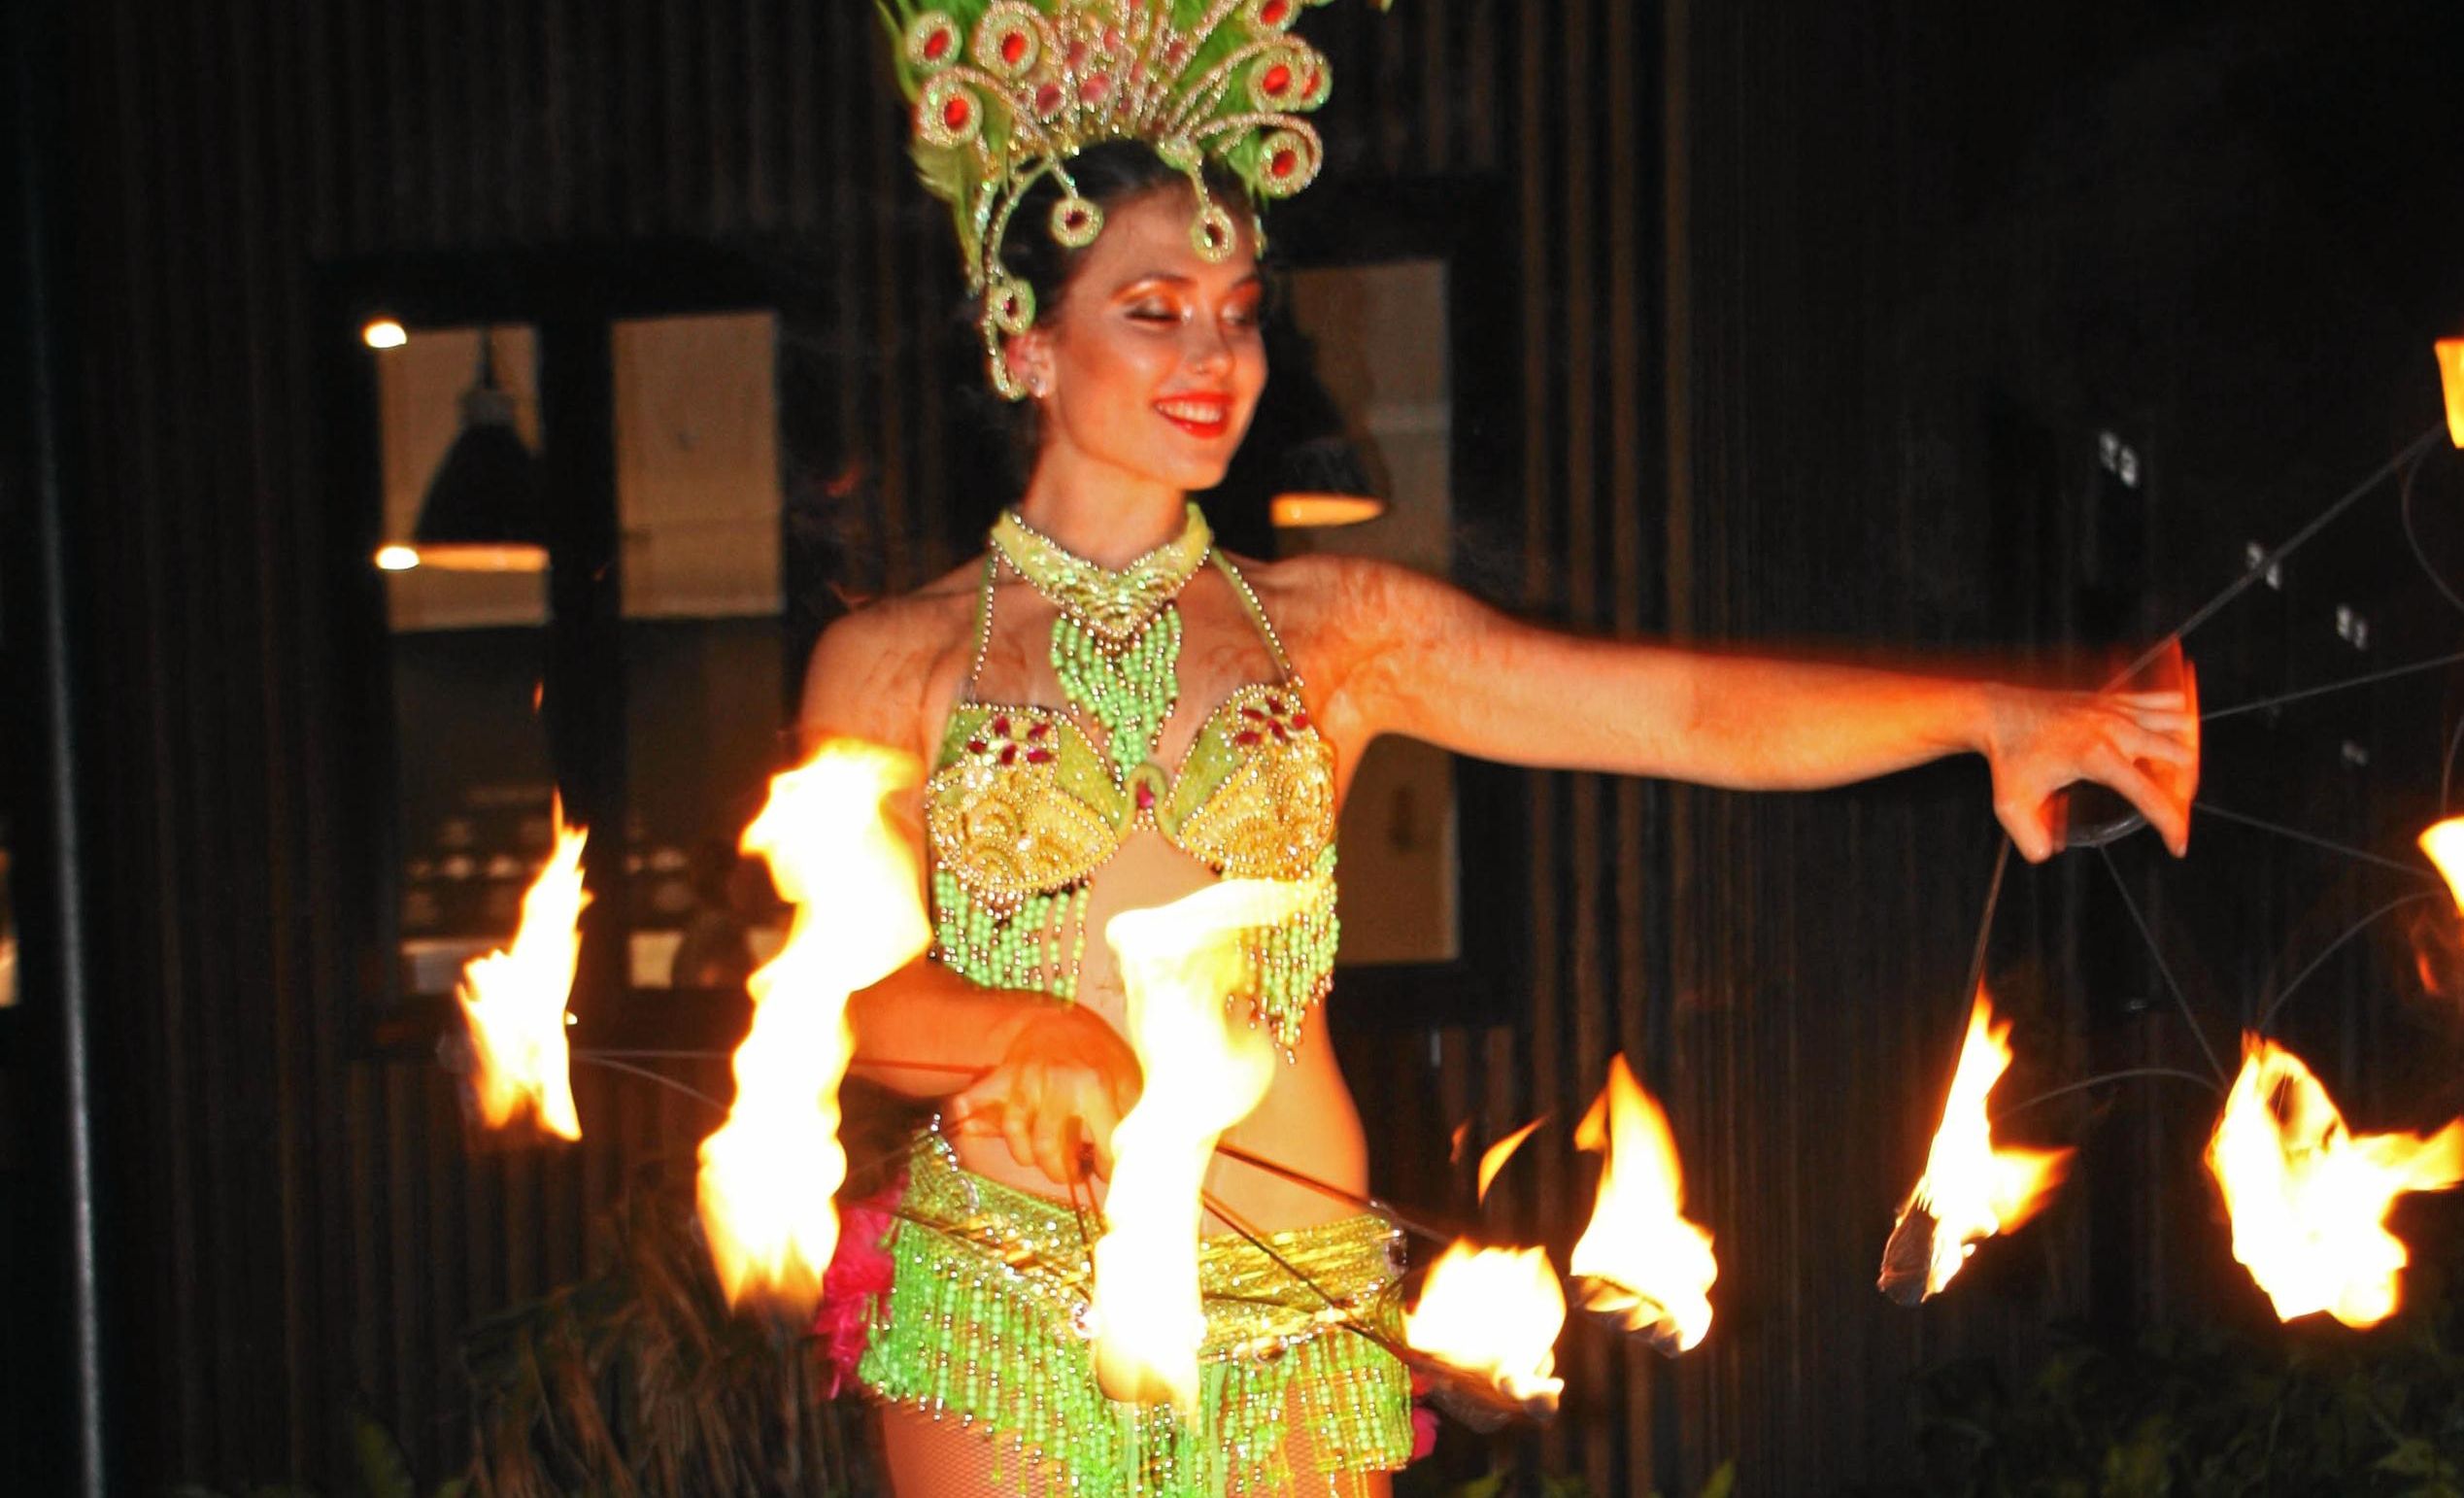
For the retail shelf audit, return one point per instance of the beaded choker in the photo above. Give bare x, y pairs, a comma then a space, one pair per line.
1116, 640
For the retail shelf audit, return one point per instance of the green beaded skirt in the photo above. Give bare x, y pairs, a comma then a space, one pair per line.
983, 1325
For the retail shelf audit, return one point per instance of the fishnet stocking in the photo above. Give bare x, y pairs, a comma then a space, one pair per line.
930, 1458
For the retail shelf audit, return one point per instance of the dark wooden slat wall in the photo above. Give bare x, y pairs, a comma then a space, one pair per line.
298, 1225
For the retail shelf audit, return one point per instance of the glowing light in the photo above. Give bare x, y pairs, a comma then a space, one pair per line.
1641, 1262
1494, 1158
768, 1173
513, 1002
2445, 843
1299, 511
2310, 1198
1970, 1189
1494, 1314
384, 333
1202, 1073
2451, 352
397, 557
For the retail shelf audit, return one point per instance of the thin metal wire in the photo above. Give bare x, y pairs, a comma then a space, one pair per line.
2259, 568
2324, 845
2413, 537
600, 1059
2307, 693
2447, 769
2268, 1018
2100, 1080
2163, 969
1237, 1224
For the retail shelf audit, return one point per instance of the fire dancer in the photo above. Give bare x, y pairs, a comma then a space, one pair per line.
1115, 713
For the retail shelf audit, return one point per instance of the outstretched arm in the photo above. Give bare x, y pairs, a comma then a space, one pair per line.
1412, 655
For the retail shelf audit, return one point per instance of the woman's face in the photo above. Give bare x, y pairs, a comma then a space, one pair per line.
1152, 364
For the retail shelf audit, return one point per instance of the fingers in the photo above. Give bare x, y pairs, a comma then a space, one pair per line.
2164, 811
2030, 825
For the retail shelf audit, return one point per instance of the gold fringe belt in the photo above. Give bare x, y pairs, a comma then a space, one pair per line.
986, 1322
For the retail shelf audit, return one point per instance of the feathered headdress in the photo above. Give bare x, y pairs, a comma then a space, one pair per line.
1008, 91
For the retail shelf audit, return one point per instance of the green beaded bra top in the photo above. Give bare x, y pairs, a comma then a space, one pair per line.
1023, 808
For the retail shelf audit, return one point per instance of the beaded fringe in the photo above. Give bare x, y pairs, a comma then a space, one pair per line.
1291, 962
976, 1329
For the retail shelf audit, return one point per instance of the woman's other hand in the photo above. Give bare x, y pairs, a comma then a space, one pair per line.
2142, 745
1062, 1083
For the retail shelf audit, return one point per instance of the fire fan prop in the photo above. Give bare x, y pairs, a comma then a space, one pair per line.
1970, 1189
768, 1173
1492, 1316
1202, 1075
2444, 842
2308, 1198
1640, 1263
513, 1002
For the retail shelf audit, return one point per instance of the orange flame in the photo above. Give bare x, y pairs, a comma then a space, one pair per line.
768, 1173
2450, 353
1201, 1076
1641, 1261
2308, 1198
1970, 1189
2445, 843
1493, 1312
513, 1002
1494, 1158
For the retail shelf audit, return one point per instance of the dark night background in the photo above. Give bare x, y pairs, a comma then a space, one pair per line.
1801, 323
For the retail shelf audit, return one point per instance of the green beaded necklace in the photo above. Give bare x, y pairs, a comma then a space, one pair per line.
1116, 640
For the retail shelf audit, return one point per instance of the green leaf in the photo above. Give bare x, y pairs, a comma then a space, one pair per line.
383, 1473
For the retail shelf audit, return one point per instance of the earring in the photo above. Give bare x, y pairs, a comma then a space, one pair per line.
1038, 388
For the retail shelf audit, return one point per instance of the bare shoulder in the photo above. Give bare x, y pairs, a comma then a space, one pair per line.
1331, 605
878, 671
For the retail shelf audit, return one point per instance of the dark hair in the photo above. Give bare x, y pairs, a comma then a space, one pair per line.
1111, 175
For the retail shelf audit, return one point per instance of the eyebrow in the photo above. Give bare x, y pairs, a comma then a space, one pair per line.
1175, 279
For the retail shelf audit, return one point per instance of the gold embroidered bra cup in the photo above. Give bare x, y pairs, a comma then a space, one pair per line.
1006, 92
1022, 808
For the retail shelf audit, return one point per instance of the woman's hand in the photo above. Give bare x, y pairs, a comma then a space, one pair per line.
1062, 1083
2144, 745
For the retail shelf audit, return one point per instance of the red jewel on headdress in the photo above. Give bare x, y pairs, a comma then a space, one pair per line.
1278, 78
1146, 796
1273, 12
1039, 756
1014, 47
1092, 91
1000, 725
1039, 729
1299, 719
1048, 100
1283, 162
956, 113
975, 746
1246, 738
1010, 754
1077, 55
937, 45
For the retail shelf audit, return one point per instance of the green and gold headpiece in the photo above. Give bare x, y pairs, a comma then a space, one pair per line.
1008, 91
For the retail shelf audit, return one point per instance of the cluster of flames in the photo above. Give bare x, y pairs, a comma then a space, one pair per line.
2308, 1197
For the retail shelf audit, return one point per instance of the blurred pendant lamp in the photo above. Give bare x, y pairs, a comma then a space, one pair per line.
1319, 478
482, 512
